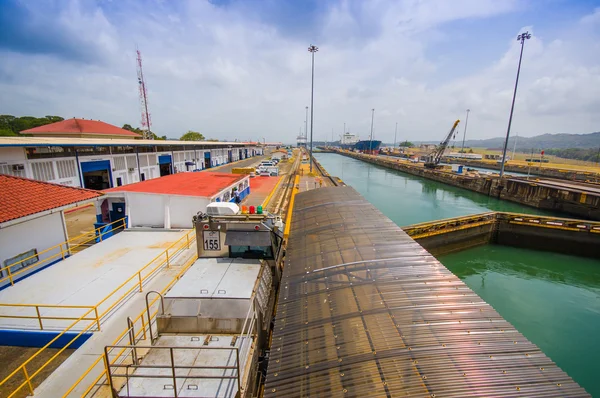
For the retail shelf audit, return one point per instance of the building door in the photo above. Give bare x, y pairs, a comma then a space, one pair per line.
230, 156
165, 163
207, 164
96, 174
117, 212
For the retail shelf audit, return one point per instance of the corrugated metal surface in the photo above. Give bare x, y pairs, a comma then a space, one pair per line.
365, 311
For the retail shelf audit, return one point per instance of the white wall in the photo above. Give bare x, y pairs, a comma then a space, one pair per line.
40, 233
183, 208
145, 210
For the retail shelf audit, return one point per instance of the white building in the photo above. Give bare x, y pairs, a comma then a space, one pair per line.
458, 155
97, 155
171, 201
279, 155
32, 224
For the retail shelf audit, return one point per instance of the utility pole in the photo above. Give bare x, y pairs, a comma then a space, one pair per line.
529, 163
465, 133
312, 49
371, 139
395, 134
306, 125
522, 37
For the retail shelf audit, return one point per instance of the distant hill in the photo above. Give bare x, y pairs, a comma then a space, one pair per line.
544, 141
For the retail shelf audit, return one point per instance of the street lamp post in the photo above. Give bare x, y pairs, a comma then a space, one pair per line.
522, 37
465, 133
371, 139
306, 125
312, 49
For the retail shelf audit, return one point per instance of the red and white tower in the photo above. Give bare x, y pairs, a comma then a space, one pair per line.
146, 123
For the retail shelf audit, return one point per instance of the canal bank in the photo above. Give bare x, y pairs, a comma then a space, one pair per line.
580, 202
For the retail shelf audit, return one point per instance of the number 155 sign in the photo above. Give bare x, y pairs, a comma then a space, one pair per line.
212, 240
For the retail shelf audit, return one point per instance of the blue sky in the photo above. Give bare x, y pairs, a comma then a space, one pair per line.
241, 69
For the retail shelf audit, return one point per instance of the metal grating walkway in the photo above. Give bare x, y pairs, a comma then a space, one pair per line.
364, 310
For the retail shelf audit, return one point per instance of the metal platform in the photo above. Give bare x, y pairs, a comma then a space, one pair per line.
364, 310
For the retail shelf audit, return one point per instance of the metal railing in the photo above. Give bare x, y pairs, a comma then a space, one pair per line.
127, 289
426, 229
36, 313
177, 371
63, 249
123, 352
144, 331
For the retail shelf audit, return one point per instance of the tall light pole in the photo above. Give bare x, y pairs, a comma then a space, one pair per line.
522, 37
306, 125
312, 49
465, 133
371, 139
395, 134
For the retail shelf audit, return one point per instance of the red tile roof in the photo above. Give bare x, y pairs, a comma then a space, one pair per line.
81, 126
20, 197
204, 183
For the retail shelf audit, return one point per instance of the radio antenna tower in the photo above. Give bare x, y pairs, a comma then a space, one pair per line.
146, 123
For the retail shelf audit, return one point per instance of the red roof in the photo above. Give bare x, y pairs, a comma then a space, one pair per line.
81, 126
20, 197
203, 183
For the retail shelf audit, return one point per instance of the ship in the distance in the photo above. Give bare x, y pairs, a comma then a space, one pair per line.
367, 145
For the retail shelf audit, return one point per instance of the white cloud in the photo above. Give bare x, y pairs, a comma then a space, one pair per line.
229, 75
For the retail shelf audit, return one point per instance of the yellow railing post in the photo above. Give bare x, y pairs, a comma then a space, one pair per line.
97, 317
37, 309
144, 326
10, 276
28, 379
140, 279
168, 262
188, 239
62, 251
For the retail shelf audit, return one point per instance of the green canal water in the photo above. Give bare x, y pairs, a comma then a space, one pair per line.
553, 299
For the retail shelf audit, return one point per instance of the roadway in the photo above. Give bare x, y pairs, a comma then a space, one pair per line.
250, 162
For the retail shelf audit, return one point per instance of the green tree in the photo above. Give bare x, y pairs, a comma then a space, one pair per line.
407, 144
192, 136
10, 123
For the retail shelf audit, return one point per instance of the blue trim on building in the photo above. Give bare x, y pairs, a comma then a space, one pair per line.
243, 194
165, 159
32, 273
39, 338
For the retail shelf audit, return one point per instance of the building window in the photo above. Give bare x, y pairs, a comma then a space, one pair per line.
21, 261
119, 181
143, 177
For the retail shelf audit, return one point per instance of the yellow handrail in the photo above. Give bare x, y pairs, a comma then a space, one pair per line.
96, 233
184, 241
142, 330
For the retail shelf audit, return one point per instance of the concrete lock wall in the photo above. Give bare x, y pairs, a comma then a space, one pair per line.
578, 243
450, 242
40, 233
